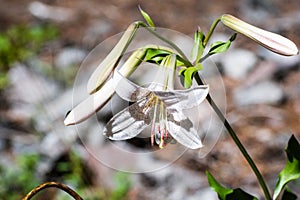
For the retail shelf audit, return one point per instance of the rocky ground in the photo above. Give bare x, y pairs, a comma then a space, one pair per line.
262, 97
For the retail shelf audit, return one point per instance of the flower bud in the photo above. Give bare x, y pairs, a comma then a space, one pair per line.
269, 40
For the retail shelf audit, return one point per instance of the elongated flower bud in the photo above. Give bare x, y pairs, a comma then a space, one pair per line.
103, 71
269, 40
98, 99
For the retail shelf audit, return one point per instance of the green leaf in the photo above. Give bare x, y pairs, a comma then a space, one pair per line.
288, 195
232, 38
181, 71
147, 18
3, 80
155, 55
226, 193
198, 47
218, 188
221, 47
292, 168
188, 74
182, 62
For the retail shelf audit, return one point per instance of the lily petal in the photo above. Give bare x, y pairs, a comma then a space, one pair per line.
129, 122
181, 129
90, 105
183, 99
126, 89
269, 40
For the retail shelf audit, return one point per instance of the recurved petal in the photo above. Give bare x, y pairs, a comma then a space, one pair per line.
183, 99
183, 131
269, 40
90, 105
128, 123
126, 89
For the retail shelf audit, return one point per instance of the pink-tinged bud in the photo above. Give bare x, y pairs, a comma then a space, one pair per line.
269, 40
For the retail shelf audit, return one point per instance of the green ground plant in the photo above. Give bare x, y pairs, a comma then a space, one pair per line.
20, 178
20, 42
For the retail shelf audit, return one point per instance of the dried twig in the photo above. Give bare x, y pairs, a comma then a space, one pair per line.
52, 184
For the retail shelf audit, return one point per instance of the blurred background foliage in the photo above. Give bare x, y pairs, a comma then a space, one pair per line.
20, 42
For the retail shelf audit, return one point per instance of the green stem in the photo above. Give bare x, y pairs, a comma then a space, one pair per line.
217, 110
237, 141
211, 30
150, 29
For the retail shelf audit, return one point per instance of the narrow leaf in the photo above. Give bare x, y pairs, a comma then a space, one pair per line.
226, 193
147, 18
182, 62
217, 187
198, 47
156, 54
181, 71
292, 169
232, 38
221, 47
189, 74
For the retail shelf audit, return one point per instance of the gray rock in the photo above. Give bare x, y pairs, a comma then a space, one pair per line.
96, 31
29, 87
52, 145
254, 10
176, 183
262, 93
206, 193
53, 13
68, 57
59, 106
238, 63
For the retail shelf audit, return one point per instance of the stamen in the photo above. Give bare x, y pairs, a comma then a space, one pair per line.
157, 135
161, 144
152, 132
154, 119
166, 128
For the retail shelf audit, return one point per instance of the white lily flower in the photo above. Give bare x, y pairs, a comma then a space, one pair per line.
98, 99
160, 106
269, 40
